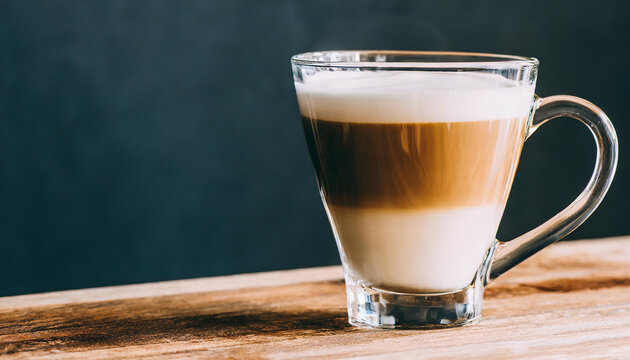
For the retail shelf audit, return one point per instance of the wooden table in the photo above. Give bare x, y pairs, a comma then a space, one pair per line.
571, 300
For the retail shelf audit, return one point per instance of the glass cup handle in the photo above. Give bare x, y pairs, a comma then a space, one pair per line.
511, 253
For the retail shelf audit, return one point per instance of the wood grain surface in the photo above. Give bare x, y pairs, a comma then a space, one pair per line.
572, 300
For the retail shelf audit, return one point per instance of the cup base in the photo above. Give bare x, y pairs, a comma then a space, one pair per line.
382, 309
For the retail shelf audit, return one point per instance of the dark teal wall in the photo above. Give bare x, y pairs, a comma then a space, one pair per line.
145, 140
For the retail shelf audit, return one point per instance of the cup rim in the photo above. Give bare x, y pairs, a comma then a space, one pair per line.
434, 60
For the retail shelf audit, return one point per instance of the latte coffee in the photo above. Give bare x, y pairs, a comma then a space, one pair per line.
414, 169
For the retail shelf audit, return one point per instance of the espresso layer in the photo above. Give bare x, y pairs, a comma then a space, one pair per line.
415, 165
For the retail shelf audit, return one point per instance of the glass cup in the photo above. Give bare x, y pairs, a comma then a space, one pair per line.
415, 154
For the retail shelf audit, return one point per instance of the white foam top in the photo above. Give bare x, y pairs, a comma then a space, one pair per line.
412, 97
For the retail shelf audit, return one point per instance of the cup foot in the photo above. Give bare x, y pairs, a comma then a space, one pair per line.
381, 309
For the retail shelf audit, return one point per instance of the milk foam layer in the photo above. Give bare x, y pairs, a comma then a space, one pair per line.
428, 250
411, 97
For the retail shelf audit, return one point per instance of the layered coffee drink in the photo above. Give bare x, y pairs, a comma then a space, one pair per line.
414, 169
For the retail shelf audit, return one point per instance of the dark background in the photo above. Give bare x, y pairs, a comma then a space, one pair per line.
153, 140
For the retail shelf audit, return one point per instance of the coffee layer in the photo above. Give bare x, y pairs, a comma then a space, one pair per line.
415, 165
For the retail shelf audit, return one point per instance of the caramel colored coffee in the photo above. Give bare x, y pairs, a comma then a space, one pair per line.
414, 169
416, 165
